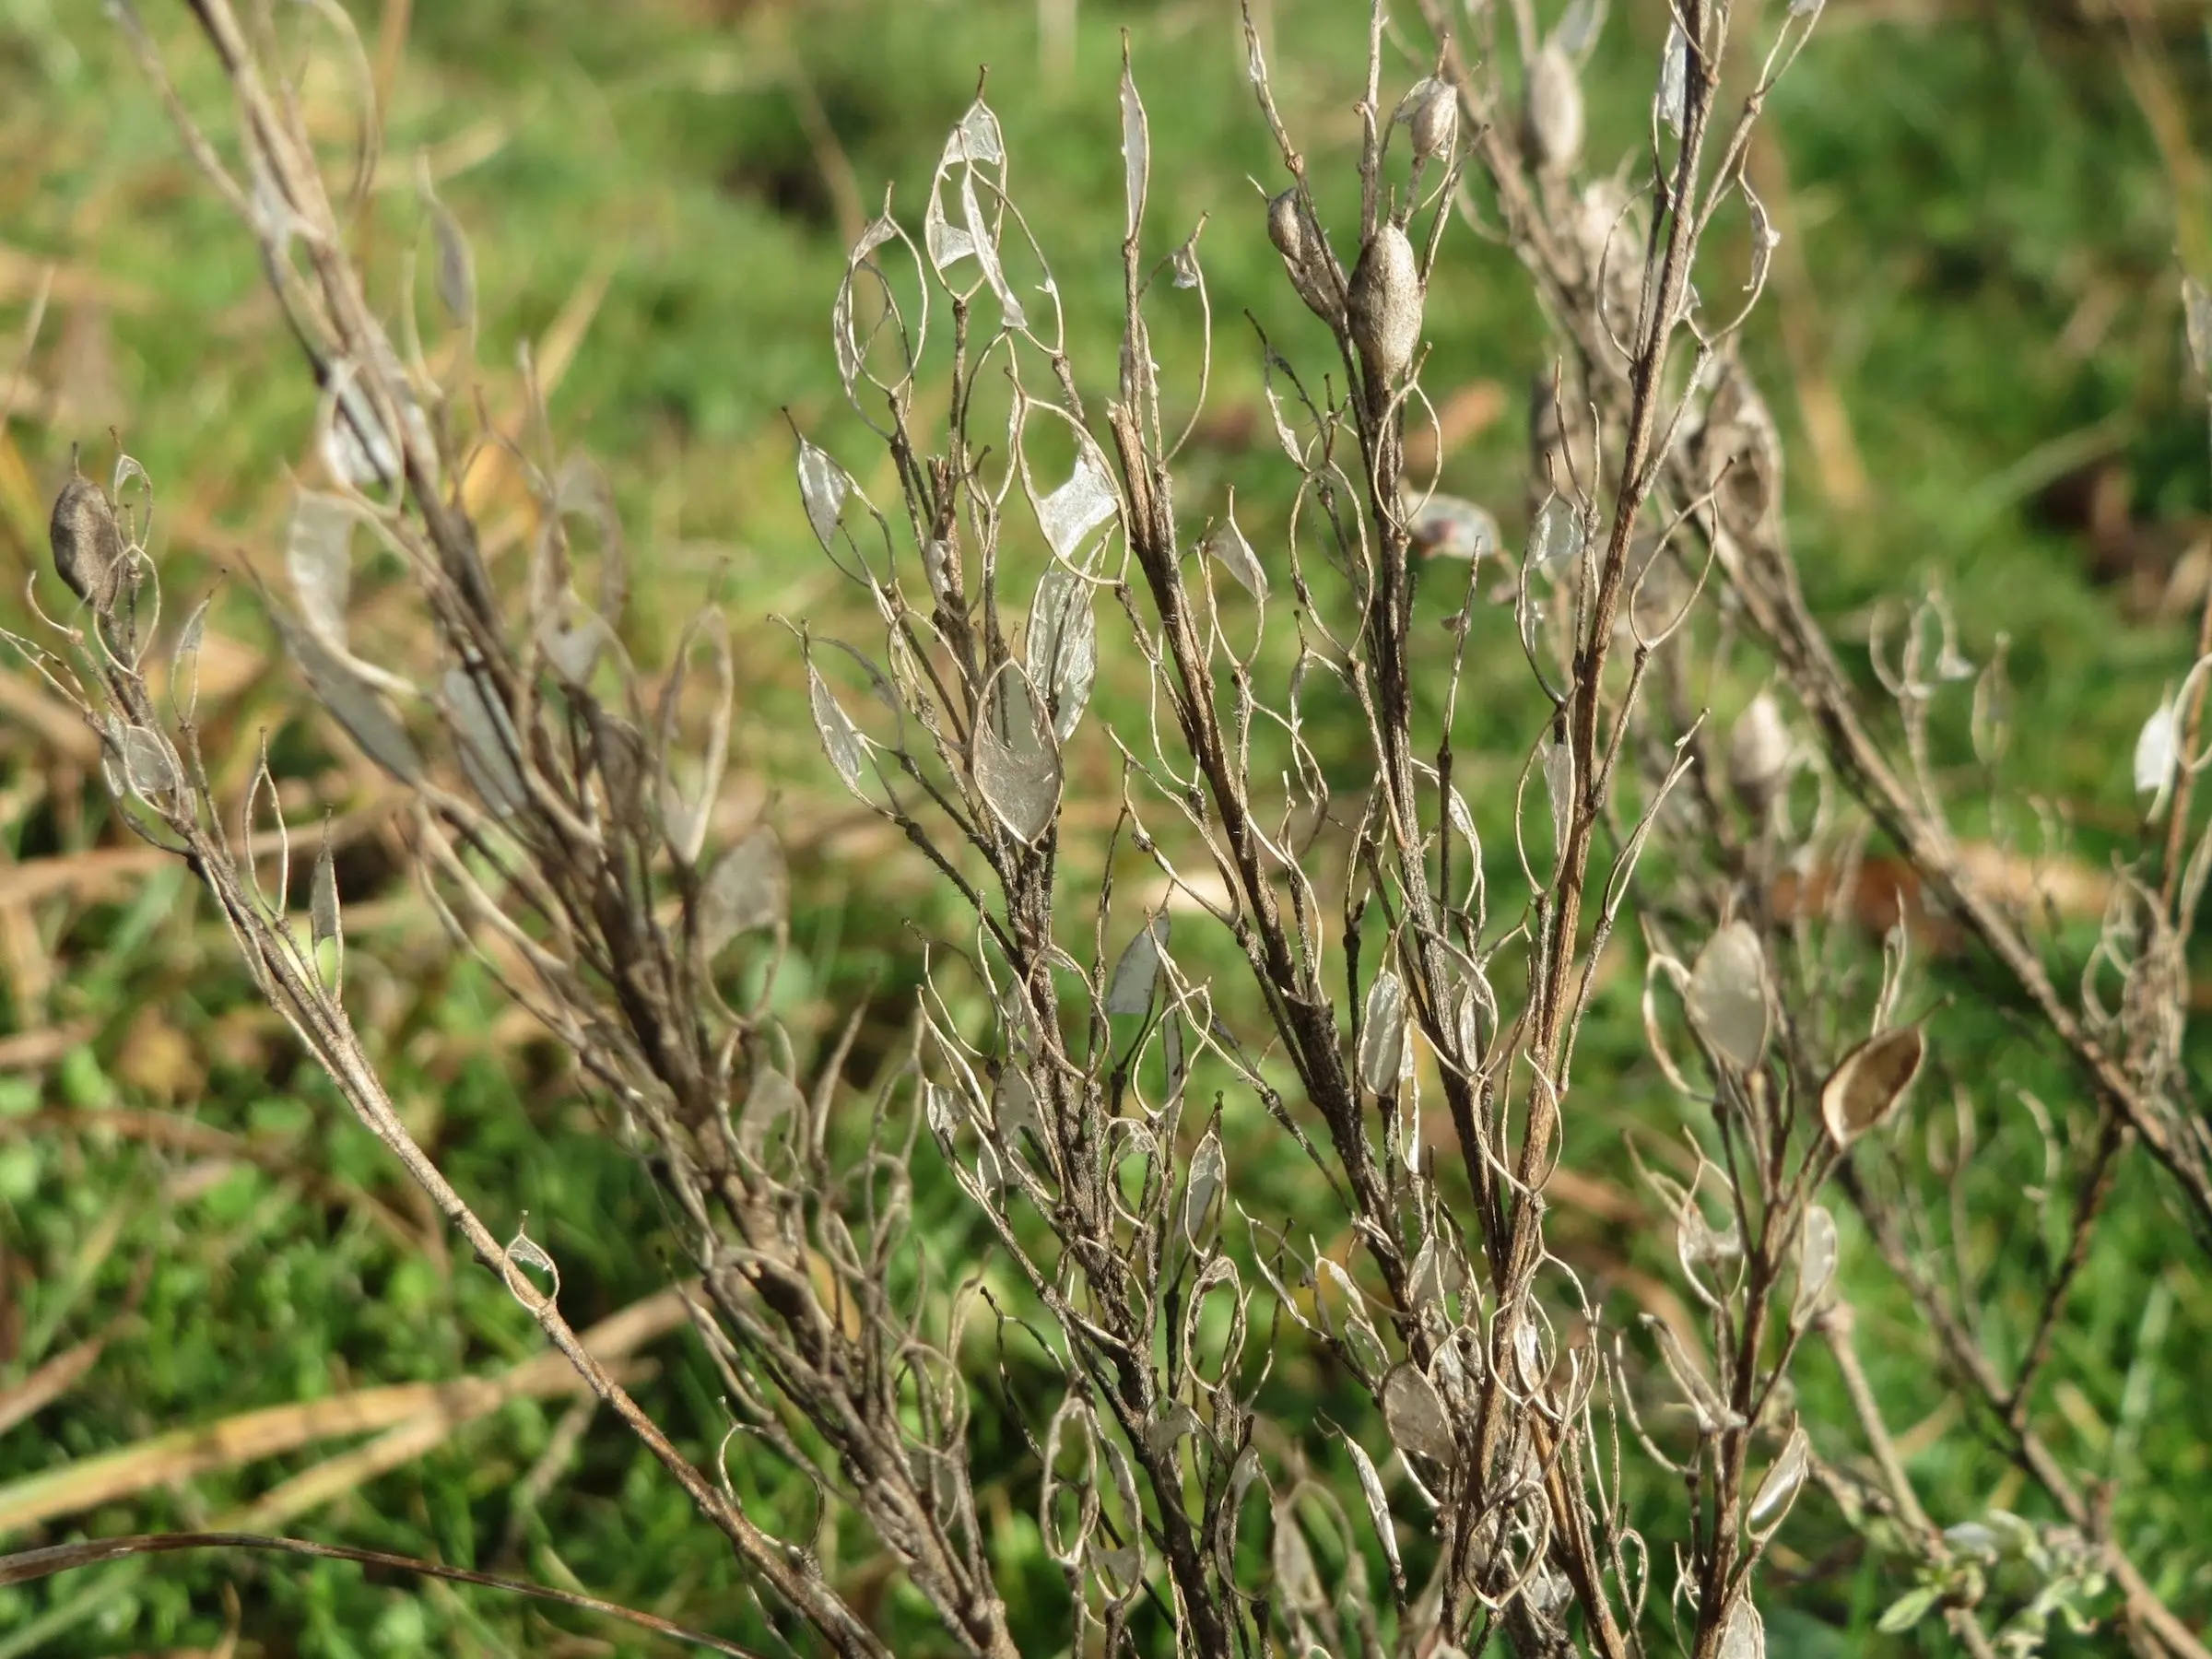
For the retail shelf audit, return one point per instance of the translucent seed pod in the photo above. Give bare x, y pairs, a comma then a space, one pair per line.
1551, 114
1759, 753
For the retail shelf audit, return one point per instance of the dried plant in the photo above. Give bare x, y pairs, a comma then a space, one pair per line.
1409, 1026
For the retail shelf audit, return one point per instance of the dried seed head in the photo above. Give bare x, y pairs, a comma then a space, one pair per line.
1384, 304
1431, 111
87, 545
1551, 116
1759, 752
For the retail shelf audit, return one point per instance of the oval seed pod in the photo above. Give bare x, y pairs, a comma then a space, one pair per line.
1384, 304
1741, 450
1305, 256
1551, 113
1608, 236
1431, 115
1863, 1090
1759, 752
1287, 228
87, 545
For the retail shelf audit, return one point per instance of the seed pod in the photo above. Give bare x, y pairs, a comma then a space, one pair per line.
1742, 455
1384, 304
1759, 752
1551, 114
1657, 586
86, 545
1286, 228
1431, 111
1609, 237
1305, 256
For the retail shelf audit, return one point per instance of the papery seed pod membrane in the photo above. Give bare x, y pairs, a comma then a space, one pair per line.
1446, 526
1551, 114
1431, 111
1414, 1413
1779, 1487
87, 545
2156, 750
2196, 316
1742, 454
1759, 753
1727, 996
1607, 239
1817, 1252
1597, 209
1863, 1090
1657, 587
1384, 304
1743, 1632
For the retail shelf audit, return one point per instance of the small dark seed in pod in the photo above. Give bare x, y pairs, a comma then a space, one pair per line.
1551, 118
87, 545
1384, 304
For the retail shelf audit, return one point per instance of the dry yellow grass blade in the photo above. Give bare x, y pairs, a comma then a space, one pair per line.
74, 282
57, 725
182, 1454
564, 336
37, 1049
98, 870
48, 1382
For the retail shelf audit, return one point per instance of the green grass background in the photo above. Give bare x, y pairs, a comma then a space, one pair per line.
1987, 232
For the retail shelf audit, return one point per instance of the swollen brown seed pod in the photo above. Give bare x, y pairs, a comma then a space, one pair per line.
1384, 304
1551, 114
1431, 111
86, 545
1305, 256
